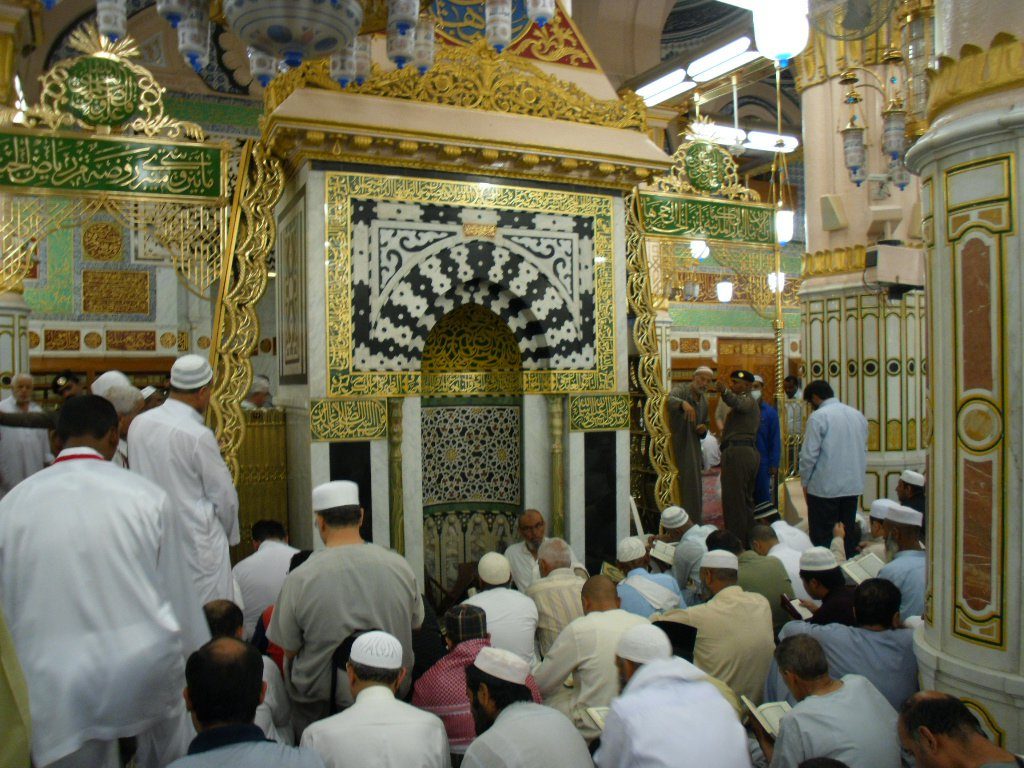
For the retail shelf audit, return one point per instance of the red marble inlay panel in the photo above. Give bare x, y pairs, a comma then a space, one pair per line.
976, 305
978, 500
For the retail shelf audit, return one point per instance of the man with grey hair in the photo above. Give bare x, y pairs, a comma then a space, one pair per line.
556, 593
522, 556
688, 421
846, 719
128, 402
23, 452
259, 394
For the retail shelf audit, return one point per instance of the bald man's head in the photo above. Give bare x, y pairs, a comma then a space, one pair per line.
599, 594
224, 618
225, 683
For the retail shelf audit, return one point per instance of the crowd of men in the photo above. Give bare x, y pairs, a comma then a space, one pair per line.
135, 640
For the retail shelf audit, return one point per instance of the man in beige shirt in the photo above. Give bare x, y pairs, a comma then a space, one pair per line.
556, 593
586, 650
734, 628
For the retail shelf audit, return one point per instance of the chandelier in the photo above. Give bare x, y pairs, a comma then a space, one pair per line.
282, 34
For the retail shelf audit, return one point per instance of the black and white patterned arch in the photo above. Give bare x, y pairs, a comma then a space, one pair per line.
414, 263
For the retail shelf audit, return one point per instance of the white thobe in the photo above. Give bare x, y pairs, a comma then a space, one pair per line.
259, 578
102, 612
525, 569
171, 446
511, 620
792, 536
586, 650
379, 730
670, 715
528, 735
790, 558
274, 713
121, 455
23, 451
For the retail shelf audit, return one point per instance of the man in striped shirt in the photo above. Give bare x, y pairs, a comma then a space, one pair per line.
556, 593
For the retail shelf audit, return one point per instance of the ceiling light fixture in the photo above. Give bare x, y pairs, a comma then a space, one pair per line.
665, 87
722, 60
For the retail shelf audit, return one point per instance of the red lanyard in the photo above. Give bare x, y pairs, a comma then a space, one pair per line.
74, 457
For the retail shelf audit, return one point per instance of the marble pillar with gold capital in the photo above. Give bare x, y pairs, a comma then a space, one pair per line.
969, 165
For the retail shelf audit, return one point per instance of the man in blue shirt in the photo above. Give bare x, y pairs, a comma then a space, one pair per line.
641, 592
907, 568
833, 462
769, 445
224, 686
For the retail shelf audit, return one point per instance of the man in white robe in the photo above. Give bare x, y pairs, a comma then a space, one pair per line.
23, 452
100, 608
128, 402
171, 446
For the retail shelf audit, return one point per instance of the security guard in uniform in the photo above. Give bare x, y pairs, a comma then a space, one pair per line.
739, 453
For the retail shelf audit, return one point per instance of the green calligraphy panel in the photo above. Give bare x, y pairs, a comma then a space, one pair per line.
66, 163
703, 219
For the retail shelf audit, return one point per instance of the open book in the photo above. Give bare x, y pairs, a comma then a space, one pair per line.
597, 715
862, 567
768, 715
663, 551
793, 608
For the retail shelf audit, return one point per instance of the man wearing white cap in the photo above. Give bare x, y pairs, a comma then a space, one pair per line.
678, 528
668, 713
586, 650
105, 381
878, 647
511, 615
23, 452
907, 568
688, 421
910, 490
876, 545
171, 446
128, 402
642, 592
514, 732
378, 729
350, 585
259, 394
823, 580
734, 628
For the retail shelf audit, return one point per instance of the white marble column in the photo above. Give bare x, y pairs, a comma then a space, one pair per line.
14, 314
969, 165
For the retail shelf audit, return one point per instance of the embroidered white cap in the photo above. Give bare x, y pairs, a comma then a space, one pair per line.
719, 558
905, 516
494, 568
705, 370
503, 665
105, 381
643, 643
630, 549
674, 517
910, 477
148, 392
378, 650
818, 559
758, 379
191, 372
880, 508
337, 493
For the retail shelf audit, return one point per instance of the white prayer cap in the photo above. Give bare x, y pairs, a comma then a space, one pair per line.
905, 516
880, 508
107, 380
643, 643
337, 493
758, 379
910, 477
705, 370
191, 372
719, 558
494, 568
260, 384
503, 665
818, 559
378, 650
630, 549
674, 517
148, 392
